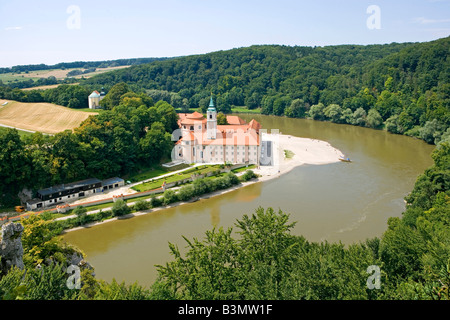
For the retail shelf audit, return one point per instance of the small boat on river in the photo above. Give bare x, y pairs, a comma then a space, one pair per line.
345, 159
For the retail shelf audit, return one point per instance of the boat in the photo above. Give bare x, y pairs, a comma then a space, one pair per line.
345, 159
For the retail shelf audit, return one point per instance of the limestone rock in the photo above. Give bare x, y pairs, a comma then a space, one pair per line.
11, 250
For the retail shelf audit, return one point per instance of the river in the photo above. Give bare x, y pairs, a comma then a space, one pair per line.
347, 202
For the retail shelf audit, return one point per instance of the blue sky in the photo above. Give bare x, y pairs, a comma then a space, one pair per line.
49, 32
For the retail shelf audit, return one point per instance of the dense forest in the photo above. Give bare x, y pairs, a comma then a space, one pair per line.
135, 133
260, 259
402, 87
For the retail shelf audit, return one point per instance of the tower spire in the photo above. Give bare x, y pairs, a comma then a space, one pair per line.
212, 120
211, 104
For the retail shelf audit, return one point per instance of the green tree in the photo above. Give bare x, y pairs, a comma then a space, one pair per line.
359, 117
15, 166
374, 119
297, 109
316, 112
431, 132
156, 144
112, 98
142, 205
186, 192
168, 115
120, 291
120, 208
333, 113
392, 124
221, 119
169, 197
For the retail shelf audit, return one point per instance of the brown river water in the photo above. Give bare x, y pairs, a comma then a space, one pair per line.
346, 202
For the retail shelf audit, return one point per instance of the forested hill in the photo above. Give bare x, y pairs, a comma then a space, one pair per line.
245, 75
406, 84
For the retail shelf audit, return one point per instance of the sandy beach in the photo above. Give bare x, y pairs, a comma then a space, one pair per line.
303, 151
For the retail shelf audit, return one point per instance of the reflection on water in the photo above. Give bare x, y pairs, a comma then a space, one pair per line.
344, 202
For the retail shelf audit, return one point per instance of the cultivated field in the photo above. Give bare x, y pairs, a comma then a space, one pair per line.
50, 86
43, 117
57, 73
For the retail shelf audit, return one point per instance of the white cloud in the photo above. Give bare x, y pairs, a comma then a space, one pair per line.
423, 20
13, 28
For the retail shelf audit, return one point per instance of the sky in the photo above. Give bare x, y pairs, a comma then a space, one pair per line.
34, 32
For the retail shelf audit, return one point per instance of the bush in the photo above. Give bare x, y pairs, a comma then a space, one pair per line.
141, 205
80, 211
248, 175
186, 193
46, 215
120, 208
169, 197
200, 187
232, 178
155, 202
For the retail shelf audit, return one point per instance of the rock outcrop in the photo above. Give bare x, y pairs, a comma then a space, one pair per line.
11, 250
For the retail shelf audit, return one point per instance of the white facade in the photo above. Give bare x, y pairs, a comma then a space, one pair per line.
211, 123
41, 204
94, 99
203, 141
61, 196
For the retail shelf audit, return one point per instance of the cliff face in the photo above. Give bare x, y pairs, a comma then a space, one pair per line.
11, 250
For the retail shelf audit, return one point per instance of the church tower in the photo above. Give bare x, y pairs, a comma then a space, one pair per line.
211, 124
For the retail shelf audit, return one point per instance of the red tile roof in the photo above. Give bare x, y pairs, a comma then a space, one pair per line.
235, 120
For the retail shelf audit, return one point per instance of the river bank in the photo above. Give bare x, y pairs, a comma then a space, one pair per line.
300, 151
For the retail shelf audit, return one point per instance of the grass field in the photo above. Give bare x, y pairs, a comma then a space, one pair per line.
175, 177
21, 132
43, 117
245, 110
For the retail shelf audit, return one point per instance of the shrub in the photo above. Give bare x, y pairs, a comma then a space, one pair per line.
186, 192
232, 178
169, 197
155, 202
248, 175
141, 205
80, 211
46, 215
120, 208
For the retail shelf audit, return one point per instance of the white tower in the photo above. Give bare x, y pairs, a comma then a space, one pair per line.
211, 124
94, 100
